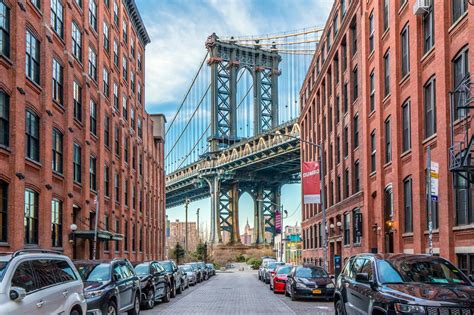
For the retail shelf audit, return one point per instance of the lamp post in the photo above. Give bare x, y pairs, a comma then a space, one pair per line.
186, 227
197, 214
73, 228
323, 193
283, 212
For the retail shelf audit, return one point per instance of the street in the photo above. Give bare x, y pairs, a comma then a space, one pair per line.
237, 292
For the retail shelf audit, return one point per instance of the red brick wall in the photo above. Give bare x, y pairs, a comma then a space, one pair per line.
39, 176
449, 40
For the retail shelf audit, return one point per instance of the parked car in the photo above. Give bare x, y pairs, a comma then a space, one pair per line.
174, 276
402, 284
190, 272
211, 269
184, 277
197, 270
204, 272
309, 281
262, 269
110, 286
40, 281
155, 283
270, 270
278, 281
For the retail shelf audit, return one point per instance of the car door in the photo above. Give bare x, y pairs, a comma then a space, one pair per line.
129, 284
69, 284
49, 287
364, 290
161, 280
353, 288
23, 277
290, 280
121, 284
176, 275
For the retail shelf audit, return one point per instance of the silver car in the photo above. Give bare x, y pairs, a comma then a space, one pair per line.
192, 275
40, 282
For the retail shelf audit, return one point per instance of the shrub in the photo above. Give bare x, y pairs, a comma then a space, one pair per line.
240, 258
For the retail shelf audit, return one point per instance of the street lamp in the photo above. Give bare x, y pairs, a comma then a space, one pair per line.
73, 228
323, 192
282, 211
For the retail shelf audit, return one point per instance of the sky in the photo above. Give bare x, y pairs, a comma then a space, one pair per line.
178, 30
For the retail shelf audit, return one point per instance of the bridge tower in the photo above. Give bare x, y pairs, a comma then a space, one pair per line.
226, 58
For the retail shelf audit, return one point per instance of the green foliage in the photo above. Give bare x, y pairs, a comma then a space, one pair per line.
178, 252
254, 263
240, 258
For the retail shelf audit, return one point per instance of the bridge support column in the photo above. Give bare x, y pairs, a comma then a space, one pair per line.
268, 201
215, 191
228, 213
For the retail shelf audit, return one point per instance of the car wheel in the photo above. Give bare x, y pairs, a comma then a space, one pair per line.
112, 308
150, 299
274, 291
293, 295
167, 296
75, 312
136, 306
179, 290
340, 308
270, 286
173, 291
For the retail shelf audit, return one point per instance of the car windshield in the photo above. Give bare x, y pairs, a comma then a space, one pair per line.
91, 272
3, 268
284, 270
273, 265
168, 266
308, 272
432, 271
142, 269
187, 268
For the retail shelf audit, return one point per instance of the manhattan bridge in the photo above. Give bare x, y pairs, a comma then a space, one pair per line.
236, 129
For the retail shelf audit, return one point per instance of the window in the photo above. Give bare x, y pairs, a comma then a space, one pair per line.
464, 199
124, 108
344, 98
386, 14
356, 173
106, 181
407, 205
93, 117
116, 17
117, 187
77, 163
338, 149
355, 128
428, 29
56, 223
77, 96
57, 82
346, 141
93, 173
57, 17
459, 8
4, 119
405, 42
57, 151
76, 42
357, 226
338, 189
132, 81
92, 64
430, 107
125, 193
116, 97
4, 29
139, 61
347, 229
346, 183
117, 140
79, 3
343, 8
460, 66
371, 32
334, 25
93, 14
373, 150
32, 57
355, 84
106, 37
354, 36
31, 217
132, 118
32, 136
388, 141
116, 54
3, 211
139, 127
117, 230
107, 130
466, 263
386, 69
139, 93
24, 277
344, 55
388, 204
132, 48
406, 125
105, 79
372, 91
134, 157
124, 68
125, 31
337, 109
126, 148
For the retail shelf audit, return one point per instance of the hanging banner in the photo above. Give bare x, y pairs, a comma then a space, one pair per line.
277, 222
311, 183
434, 181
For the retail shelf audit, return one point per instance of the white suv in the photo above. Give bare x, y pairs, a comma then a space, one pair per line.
40, 282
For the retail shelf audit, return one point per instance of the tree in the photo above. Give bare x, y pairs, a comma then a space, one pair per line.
178, 252
200, 251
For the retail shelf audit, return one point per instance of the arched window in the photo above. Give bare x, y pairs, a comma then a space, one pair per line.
388, 204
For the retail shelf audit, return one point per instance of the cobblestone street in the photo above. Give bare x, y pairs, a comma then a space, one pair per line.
237, 292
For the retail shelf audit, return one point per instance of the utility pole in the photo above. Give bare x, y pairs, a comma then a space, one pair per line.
186, 227
428, 195
197, 214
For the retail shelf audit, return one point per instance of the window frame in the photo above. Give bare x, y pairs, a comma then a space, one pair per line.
57, 151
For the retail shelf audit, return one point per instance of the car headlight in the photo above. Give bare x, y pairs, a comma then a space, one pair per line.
93, 294
409, 309
330, 286
300, 285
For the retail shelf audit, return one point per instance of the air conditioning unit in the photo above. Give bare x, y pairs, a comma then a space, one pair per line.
421, 7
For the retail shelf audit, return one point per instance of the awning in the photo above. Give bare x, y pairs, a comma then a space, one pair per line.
101, 235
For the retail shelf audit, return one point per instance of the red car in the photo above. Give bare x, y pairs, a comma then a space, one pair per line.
278, 279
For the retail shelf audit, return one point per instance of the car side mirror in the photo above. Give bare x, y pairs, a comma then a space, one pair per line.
17, 294
362, 277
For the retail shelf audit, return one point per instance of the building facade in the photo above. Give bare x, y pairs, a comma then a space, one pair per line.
76, 143
377, 97
247, 237
178, 235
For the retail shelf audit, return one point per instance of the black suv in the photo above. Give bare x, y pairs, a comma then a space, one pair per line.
155, 283
402, 284
174, 276
110, 286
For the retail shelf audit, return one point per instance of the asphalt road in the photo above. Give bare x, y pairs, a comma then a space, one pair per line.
237, 292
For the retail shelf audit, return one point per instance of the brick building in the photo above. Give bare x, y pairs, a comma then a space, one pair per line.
73, 129
376, 96
178, 235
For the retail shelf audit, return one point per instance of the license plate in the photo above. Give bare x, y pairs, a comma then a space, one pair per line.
316, 291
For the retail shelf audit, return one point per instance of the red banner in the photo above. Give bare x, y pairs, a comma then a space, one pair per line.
311, 183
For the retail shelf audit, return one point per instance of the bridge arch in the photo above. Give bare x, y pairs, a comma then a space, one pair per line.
245, 107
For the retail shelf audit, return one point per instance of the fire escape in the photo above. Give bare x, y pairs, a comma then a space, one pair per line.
461, 152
